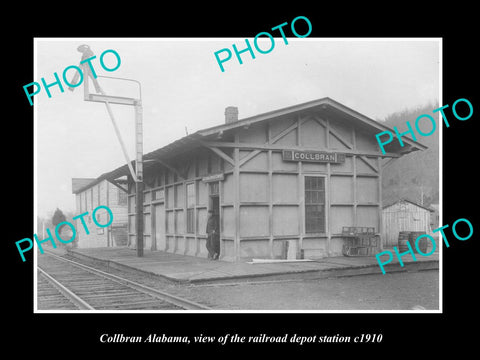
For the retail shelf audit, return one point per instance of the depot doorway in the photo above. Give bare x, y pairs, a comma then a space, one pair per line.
214, 205
159, 240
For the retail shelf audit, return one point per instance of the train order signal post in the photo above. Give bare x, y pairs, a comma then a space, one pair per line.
108, 99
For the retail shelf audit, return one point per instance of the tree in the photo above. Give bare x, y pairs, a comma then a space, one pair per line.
414, 175
58, 217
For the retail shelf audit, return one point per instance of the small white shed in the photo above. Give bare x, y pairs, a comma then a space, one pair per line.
403, 215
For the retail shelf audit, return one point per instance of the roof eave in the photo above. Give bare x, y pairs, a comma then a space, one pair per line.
178, 146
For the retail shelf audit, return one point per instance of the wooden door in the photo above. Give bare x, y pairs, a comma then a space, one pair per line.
159, 226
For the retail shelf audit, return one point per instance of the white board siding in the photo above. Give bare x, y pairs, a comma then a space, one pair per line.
403, 216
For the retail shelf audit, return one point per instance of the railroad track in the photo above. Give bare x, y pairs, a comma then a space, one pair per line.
64, 284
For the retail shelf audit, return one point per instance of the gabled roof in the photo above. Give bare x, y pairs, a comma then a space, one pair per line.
324, 105
406, 200
80, 183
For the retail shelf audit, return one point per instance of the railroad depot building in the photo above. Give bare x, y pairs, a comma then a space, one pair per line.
283, 183
91, 193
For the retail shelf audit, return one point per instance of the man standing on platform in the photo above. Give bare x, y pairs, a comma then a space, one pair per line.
213, 239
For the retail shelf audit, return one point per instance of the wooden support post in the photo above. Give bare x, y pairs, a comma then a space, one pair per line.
236, 176
328, 208
139, 177
380, 220
354, 164
301, 191
139, 217
270, 203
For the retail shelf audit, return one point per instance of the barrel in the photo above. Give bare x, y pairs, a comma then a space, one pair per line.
403, 237
422, 243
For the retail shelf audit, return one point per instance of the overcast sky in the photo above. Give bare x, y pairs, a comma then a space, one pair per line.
183, 88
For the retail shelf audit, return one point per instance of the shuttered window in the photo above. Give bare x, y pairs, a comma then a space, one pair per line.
314, 204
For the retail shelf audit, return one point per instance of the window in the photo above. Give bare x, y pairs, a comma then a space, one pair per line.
122, 197
190, 208
131, 204
159, 194
213, 188
314, 204
147, 224
179, 196
147, 197
159, 178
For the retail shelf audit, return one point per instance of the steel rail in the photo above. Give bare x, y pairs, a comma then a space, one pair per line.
75, 299
175, 300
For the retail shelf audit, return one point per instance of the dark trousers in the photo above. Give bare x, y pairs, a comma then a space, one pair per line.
213, 245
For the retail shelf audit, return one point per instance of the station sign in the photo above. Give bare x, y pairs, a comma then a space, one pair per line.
312, 156
212, 178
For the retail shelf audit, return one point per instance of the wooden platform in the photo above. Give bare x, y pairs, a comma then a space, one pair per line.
183, 268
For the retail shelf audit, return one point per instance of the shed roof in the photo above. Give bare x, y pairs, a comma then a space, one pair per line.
325, 105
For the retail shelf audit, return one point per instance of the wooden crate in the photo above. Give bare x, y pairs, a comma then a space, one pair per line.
359, 241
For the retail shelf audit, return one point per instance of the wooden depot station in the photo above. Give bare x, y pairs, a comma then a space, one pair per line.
297, 182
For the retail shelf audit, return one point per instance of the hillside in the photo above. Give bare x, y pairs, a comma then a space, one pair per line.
418, 172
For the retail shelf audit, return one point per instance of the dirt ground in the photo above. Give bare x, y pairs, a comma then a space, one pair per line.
392, 291
396, 291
